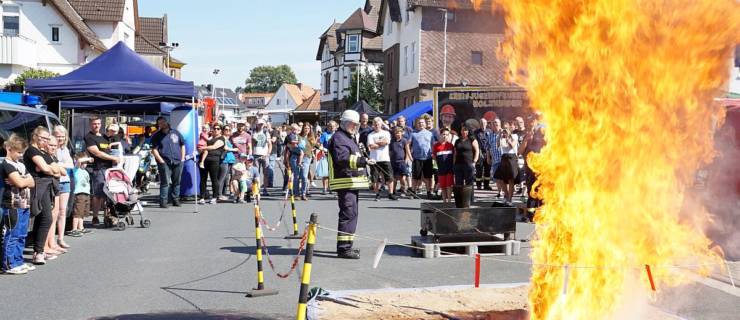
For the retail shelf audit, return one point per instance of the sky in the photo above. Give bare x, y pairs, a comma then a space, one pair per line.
235, 36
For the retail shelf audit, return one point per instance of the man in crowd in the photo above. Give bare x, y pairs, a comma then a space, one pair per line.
520, 130
377, 142
241, 139
168, 148
364, 129
261, 149
534, 141
494, 150
421, 152
275, 153
483, 166
347, 177
98, 147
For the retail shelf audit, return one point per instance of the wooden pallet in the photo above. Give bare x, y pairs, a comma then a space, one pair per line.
455, 249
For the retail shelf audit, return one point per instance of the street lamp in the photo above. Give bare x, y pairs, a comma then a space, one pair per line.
444, 64
213, 88
168, 48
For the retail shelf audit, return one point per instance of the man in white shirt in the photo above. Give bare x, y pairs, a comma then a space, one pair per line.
261, 149
377, 142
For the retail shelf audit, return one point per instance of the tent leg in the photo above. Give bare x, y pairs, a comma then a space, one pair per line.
195, 150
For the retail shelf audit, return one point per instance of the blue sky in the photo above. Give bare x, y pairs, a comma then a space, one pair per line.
237, 35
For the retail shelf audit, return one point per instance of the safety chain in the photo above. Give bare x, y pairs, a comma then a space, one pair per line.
297, 257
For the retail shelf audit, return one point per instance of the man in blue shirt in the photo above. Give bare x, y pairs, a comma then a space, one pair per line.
168, 148
421, 152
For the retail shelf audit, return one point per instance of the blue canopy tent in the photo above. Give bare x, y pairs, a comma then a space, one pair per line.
118, 74
413, 111
122, 81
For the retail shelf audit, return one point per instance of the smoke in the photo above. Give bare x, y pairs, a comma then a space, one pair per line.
721, 196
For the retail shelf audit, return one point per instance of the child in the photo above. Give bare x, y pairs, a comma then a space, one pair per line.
400, 153
202, 143
15, 206
244, 173
443, 152
81, 204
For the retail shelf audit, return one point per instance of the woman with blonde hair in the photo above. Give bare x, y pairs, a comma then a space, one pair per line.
40, 165
65, 161
51, 246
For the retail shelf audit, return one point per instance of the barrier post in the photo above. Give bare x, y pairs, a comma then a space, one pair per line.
260, 291
295, 234
306, 278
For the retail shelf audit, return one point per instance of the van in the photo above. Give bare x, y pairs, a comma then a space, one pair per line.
22, 120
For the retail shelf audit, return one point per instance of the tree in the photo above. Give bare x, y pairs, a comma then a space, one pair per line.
20, 81
371, 88
269, 78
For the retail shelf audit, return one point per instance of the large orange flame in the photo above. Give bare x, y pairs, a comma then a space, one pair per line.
625, 88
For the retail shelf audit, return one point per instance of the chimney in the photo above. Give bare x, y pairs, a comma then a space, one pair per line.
300, 86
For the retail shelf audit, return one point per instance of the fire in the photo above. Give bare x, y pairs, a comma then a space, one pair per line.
625, 88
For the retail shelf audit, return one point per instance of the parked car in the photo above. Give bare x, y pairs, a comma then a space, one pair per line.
21, 120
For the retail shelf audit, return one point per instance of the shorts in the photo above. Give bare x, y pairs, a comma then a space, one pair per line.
98, 183
382, 170
64, 187
422, 169
400, 169
446, 180
81, 207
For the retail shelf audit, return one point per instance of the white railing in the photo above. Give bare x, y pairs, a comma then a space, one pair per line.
17, 50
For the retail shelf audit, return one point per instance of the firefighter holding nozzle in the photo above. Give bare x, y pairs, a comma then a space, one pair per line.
346, 177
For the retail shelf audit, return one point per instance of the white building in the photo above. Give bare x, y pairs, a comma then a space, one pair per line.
343, 47
286, 99
61, 35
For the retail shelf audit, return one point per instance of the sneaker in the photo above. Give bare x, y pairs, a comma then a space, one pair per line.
236, 200
313, 185
163, 205
28, 267
242, 200
377, 197
86, 231
38, 258
304, 198
50, 257
213, 201
223, 198
175, 203
17, 270
392, 197
95, 221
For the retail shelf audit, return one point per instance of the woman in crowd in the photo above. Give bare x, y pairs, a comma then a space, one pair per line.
224, 173
467, 153
305, 164
509, 167
39, 164
51, 245
210, 165
64, 159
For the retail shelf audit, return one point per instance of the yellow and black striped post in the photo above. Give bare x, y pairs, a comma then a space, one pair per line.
306, 278
295, 234
260, 290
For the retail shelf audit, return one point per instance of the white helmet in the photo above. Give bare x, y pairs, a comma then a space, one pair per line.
350, 115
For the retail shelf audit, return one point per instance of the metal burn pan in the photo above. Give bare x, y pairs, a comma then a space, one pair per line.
480, 222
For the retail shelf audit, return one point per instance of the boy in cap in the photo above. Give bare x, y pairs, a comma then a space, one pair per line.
244, 173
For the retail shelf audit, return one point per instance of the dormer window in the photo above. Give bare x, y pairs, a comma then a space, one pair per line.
353, 43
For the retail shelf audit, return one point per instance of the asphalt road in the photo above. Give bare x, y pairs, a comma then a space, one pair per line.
199, 266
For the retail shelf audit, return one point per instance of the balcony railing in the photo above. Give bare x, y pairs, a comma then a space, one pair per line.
17, 50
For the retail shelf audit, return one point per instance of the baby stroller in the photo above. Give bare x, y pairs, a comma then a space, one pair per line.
122, 200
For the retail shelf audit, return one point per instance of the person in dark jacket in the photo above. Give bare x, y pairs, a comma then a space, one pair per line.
346, 177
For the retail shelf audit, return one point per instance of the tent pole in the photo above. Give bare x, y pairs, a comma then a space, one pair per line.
195, 150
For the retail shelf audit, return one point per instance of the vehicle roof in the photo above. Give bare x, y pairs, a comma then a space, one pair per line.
26, 109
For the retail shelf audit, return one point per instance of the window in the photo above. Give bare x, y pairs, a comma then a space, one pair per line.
405, 60
54, 34
278, 101
125, 37
451, 16
20, 123
389, 65
327, 82
413, 57
477, 58
407, 17
353, 43
11, 20
405, 104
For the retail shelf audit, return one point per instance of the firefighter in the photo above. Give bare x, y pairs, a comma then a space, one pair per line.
347, 177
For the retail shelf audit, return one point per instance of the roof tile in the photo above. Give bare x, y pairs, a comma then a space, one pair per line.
99, 10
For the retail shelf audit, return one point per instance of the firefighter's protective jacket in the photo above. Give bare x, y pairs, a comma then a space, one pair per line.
346, 163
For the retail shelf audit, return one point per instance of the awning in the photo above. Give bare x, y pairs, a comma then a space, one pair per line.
413, 111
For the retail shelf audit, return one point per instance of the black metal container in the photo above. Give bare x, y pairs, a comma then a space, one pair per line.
481, 222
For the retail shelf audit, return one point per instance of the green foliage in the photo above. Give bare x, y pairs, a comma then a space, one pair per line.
371, 88
269, 78
33, 74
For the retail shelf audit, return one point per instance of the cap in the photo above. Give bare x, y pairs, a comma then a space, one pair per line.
113, 127
350, 115
292, 138
448, 109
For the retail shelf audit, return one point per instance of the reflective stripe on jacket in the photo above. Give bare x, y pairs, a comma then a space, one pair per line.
346, 163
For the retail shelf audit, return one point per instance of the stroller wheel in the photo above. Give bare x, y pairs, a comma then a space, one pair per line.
121, 226
146, 223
